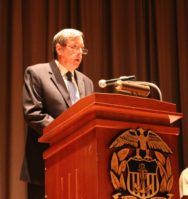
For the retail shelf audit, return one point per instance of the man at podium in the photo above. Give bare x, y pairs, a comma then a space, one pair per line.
50, 89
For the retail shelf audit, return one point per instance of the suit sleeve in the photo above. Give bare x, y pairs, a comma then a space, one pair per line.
33, 108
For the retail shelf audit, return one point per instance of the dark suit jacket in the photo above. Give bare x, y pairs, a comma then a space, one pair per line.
45, 97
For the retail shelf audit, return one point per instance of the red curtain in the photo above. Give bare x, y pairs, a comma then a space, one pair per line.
147, 38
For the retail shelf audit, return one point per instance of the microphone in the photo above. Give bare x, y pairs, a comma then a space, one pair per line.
103, 83
133, 88
138, 88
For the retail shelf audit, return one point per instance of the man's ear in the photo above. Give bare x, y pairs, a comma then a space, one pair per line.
58, 48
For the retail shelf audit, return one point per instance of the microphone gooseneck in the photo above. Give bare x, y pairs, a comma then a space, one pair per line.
103, 83
126, 85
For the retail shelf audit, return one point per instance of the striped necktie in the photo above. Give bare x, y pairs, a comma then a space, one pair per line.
71, 88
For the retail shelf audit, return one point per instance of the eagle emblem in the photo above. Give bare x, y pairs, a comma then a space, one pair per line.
141, 140
140, 165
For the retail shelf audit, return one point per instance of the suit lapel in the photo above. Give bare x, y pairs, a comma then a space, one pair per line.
57, 79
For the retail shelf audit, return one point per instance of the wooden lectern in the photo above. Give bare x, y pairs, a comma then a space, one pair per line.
113, 146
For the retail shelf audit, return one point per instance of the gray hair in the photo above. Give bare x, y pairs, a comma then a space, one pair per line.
62, 36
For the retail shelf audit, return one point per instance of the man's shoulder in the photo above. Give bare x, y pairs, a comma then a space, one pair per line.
184, 174
82, 75
185, 171
38, 66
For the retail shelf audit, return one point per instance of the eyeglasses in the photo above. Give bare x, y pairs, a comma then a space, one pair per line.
77, 48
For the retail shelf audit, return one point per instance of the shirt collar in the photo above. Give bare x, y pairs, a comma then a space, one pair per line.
62, 69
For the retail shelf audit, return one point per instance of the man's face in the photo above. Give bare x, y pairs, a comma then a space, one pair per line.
70, 55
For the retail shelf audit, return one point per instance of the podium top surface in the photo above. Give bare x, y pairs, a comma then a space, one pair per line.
117, 107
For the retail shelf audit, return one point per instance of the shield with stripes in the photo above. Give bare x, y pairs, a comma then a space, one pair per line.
142, 179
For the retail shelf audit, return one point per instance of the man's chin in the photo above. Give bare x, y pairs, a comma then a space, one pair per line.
76, 64
75, 67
